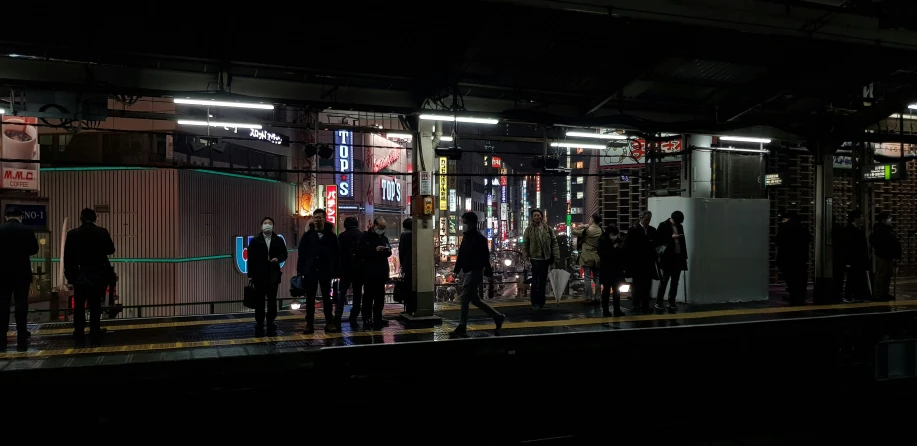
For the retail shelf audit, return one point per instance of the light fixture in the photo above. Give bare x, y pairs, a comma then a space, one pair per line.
212, 103
237, 125
468, 119
508, 262
905, 116
2, 111
399, 135
912, 106
745, 139
596, 135
446, 138
733, 149
578, 145
295, 305
624, 288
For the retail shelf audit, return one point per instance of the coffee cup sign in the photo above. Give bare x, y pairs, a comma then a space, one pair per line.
19, 147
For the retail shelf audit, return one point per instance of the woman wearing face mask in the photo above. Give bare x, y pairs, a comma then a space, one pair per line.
265, 254
611, 273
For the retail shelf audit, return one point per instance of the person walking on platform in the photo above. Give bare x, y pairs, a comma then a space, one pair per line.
588, 245
614, 260
350, 270
642, 261
374, 250
88, 270
406, 259
540, 248
793, 240
18, 243
319, 262
265, 254
672, 260
473, 264
888, 250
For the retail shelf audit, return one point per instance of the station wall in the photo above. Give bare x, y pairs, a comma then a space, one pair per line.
174, 231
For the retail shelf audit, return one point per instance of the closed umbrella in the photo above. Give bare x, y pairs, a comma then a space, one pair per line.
558, 279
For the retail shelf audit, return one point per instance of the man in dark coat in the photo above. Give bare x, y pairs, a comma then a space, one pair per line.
473, 264
673, 259
266, 253
87, 268
374, 250
793, 241
640, 246
350, 270
319, 263
856, 258
19, 243
888, 250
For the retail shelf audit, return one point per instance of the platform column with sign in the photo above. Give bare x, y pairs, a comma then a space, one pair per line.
824, 222
424, 205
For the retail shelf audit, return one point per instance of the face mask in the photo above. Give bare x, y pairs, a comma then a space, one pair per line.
380, 231
267, 227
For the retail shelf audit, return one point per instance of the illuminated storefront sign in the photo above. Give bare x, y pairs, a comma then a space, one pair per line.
504, 211
331, 204
773, 179
343, 162
883, 172
443, 183
391, 190
496, 162
270, 137
468, 204
538, 191
452, 224
442, 225
490, 199
387, 160
240, 253
453, 205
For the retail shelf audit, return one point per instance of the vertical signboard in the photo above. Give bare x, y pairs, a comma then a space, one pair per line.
343, 162
442, 225
538, 191
443, 183
331, 205
453, 223
19, 143
453, 205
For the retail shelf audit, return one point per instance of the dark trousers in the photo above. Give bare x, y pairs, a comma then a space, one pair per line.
19, 294
885, 268
539, 281
268, 295
796, 278
312, 285
373, 297
672, 277
642, 288
471, 283
410, 299
91, 296
612, 290
857, 285
347, 282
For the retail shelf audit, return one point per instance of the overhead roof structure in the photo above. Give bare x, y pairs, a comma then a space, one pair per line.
802, 67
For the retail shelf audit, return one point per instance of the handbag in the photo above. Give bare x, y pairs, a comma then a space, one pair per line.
297, 286
401, 290
251, 298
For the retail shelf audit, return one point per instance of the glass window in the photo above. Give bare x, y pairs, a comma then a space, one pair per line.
579, 195
579, 180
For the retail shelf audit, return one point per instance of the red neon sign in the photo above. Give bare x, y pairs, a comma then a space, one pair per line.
496, 162
537, 183
382, 163
331, 204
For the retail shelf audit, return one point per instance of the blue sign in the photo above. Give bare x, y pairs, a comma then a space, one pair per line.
240, 254
343, 162
33, 215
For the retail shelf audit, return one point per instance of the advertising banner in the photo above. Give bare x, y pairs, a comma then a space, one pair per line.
331, 205
19, 142
632, 153
443, 184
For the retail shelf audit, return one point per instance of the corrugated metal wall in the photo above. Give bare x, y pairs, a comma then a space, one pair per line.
161, 220
213, 211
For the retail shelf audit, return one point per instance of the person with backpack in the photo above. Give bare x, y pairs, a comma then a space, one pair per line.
350, 271
541, 249
587, 244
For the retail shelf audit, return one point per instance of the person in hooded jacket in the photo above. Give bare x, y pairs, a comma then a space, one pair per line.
611, 275
350, 270
319, 262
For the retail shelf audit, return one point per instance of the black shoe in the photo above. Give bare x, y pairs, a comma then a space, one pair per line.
498, 321
310, 329
272, 330
671, 307
606, 313
618, 313
461, 330
259, 331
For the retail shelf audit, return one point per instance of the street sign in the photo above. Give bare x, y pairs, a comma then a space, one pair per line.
883, 172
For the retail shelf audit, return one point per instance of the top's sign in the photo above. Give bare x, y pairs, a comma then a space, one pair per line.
343, 161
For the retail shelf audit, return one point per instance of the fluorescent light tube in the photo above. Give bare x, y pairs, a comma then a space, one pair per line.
745, 139
733, 149
596, 135
238, 125
445, 138
912, 106
212, 103
577, 145
399, 135
467, 119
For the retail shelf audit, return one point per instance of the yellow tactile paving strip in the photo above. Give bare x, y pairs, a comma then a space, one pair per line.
443, 330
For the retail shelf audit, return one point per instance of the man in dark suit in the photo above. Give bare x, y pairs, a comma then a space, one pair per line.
87, 268
18, 244
266, 253
640, 246
319, 262
673, 259
350, 270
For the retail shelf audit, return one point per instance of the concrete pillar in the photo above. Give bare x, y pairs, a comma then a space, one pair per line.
424, 159
699, 170
824, 221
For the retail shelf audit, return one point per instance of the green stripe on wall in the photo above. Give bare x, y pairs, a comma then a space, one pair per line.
115, 168
163, 260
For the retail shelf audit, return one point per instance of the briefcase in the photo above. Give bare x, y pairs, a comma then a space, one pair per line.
251, 297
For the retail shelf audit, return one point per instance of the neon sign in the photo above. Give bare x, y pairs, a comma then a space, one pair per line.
265, 135
382, 163
331, 204
496, 163
443, 183
343, 160
240, 254
391, 190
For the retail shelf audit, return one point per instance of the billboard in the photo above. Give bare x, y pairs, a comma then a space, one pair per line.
19, 144
443, 184
632, 153
331, 205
